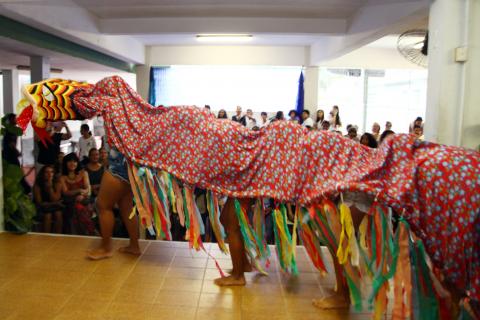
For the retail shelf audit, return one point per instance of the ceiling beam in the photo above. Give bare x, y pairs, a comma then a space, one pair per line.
131, 26
18, 31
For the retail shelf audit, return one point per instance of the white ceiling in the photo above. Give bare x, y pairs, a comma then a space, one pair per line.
108, 9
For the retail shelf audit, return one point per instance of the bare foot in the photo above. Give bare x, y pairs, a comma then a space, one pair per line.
133, 250
99, 253
332, 302
230, 281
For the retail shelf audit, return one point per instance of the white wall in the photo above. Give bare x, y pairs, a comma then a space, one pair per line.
219, 55
227, 55
371, 58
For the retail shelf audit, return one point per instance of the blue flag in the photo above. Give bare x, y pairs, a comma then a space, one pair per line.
300, 96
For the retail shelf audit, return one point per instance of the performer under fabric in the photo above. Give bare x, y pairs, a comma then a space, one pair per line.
434, 187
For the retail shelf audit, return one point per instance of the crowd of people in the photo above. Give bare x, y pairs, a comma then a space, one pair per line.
321, 122
66, 186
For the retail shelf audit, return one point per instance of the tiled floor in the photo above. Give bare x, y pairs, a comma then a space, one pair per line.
48, 277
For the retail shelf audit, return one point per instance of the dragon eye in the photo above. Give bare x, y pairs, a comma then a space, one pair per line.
47, 93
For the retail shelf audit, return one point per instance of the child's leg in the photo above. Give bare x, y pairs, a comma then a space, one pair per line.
235, 243
112, 189
126, 206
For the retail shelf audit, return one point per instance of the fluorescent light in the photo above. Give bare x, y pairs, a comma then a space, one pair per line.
234, 37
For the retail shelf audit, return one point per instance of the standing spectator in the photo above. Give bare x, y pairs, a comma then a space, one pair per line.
85, 143
352, 133
251, 122
325, 125
369, 140
264, 119
417, 122
238, 117
222, 114
376, 130
388, 125
95, 171
47, 195
320, 119
279, 116
76, 192
48, 152
335, 121
385, 134
307, 121
293, 116
418, 131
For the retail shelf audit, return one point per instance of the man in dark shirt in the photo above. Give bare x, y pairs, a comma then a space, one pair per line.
239, 118
48, 154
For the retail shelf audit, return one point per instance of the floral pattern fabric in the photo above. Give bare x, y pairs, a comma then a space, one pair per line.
435, 187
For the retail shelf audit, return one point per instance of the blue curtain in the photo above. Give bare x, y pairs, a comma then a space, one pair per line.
300, 95
157, 76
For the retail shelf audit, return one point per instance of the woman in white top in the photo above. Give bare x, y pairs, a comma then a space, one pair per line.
86, 142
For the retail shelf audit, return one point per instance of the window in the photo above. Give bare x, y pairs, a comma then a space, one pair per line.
261, 88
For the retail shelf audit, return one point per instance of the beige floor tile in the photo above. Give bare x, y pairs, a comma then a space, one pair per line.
182, 285
177, 298
162, 312
137, 293
185, 262
210, 287
223, 263
256, 289
222, 301
212, 274
121, 310
303, 290
160, 251
270, 315
190, 253
185, 273
263, 303
217, 314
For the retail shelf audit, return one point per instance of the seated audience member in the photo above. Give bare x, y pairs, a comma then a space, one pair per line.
76, 194
238, 117
85, 143
279, 116
325, 125
388, 125
47, 193
418, 132
293, 116
95, 171
264, 119
335, 121
222, 114
369, 140
418, 122
251, 122
48, 151
320, 119
385, 135
103, 157
376, 131
307, 121
352, 133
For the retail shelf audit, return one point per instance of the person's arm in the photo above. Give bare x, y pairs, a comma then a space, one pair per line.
55, 192
65, 190
37, 196
67, 135
86, 182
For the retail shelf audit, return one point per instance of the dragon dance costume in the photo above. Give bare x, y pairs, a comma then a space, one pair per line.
423, 224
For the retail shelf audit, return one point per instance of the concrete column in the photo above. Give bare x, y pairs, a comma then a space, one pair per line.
453, 98
11, 90
310, 85
39, 68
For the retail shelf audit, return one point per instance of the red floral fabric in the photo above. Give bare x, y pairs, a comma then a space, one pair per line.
435, 187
